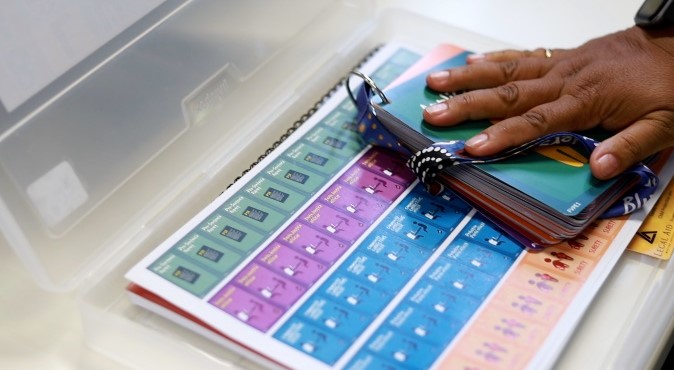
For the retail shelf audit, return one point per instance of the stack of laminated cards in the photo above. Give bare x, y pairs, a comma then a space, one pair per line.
541, 193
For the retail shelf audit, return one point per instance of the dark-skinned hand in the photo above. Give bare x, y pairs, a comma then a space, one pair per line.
622, 82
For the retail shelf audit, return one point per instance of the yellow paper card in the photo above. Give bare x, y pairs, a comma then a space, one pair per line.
656, 235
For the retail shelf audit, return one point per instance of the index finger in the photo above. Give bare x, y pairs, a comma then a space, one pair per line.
509, 54
487, 75
563, 114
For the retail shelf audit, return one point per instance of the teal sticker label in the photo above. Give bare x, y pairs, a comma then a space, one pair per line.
277, 195
325, 162
342, 142
208, 253
296, 176
293, 176
343, 121
267, 191
184, 273
232, 233
253, 213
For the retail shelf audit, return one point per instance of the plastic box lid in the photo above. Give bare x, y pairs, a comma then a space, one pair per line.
281, 90
122, 143
128, 144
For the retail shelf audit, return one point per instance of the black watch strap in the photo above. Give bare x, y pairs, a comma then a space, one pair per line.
654, 13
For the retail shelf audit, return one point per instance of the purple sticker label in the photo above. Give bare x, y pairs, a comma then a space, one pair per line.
379, 186
246, 307
291, 263
387, 164
333, 222
270, 286
354, 202
313, 242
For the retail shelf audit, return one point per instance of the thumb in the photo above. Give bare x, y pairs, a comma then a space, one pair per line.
629, 146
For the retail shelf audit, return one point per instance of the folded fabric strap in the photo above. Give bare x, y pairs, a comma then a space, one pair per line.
369, 127
429, 162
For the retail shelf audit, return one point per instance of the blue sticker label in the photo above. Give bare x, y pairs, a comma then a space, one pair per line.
397, 251
481, 258
414, 230
424, 325
375, 272
356, 294
483, 232
314, 341
446, 301
339, 319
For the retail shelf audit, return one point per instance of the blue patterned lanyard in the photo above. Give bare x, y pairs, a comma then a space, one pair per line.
428, 162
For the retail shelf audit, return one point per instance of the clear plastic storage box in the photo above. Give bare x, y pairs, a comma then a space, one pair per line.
100, 167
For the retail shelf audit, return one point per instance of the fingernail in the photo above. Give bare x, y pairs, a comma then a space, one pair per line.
475, 58
477, 141
608, 165
439, 75
436, 108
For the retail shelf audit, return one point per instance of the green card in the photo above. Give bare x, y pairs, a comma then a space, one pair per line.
564, 185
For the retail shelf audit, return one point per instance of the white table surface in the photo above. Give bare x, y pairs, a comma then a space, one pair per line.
42, 330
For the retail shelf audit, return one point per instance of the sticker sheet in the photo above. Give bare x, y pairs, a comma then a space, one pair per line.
329, 254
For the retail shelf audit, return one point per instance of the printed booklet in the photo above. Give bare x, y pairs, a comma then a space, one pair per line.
329, 254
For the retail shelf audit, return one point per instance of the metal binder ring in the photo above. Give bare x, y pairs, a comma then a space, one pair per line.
368, 81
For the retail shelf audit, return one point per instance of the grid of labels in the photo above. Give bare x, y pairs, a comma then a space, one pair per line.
283, 270
433, 308
531, 300
315, 239
438, 305
339, 311
220, 243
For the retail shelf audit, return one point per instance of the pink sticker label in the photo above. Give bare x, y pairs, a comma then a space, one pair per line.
291, 263
387, 164
333, 222
354, 202
380, 186
270, 286
313, 242
246, 307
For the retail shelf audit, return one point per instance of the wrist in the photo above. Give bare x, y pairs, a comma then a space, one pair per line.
663, 36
